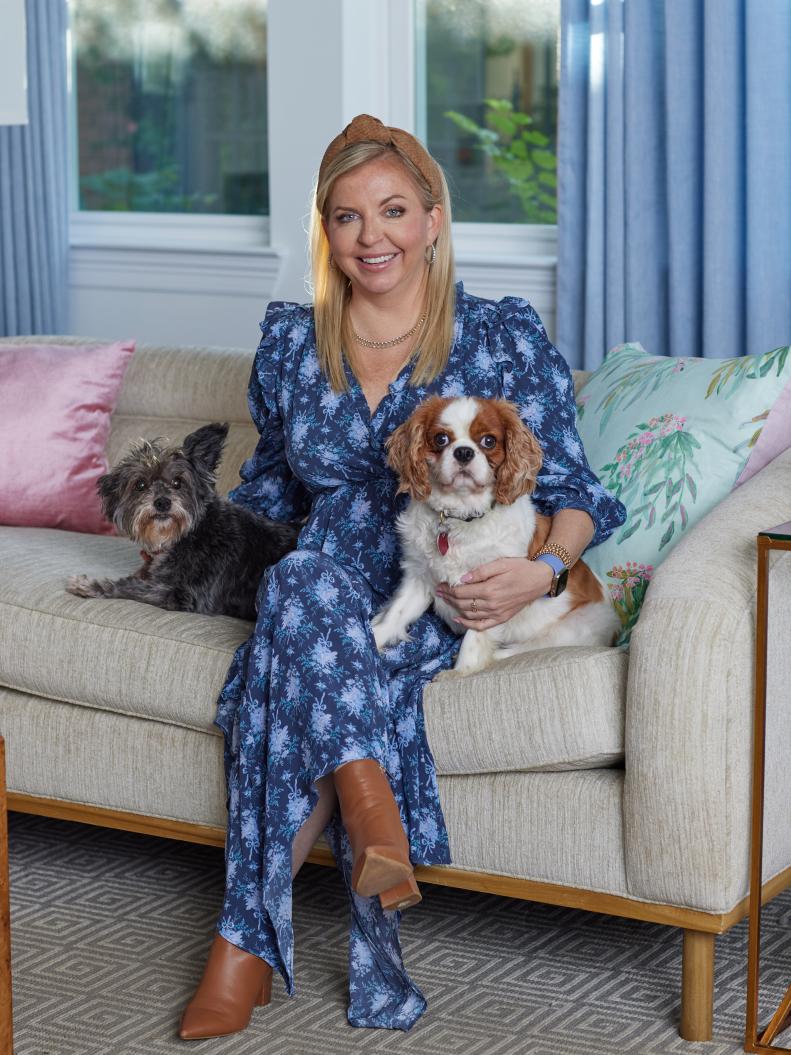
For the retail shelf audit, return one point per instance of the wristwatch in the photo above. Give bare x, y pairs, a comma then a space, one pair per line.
560, 571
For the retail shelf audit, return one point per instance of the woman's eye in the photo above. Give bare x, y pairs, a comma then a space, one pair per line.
441, 439
395, 211
346, 217
488, 442
140, 485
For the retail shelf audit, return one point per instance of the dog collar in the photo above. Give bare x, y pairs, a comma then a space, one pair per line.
148, 557
445, 515
443, 541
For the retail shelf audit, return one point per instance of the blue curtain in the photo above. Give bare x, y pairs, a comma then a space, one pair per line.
674, 221
34, 207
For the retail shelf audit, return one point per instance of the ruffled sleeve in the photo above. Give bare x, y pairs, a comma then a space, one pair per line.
268, 484
537, 378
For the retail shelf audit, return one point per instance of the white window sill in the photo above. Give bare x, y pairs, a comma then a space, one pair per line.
488, 243
505, 243
169, 232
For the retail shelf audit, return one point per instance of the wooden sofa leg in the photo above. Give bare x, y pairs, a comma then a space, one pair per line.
697, 985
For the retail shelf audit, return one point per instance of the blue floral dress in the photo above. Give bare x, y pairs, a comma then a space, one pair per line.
308, 691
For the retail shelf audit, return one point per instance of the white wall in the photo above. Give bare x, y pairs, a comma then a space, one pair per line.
207, 280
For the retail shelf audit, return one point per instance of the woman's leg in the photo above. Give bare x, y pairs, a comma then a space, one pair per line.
322, 813
305, 696
234, 981
302, 697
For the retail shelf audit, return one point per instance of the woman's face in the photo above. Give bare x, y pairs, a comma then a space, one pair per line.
378, 228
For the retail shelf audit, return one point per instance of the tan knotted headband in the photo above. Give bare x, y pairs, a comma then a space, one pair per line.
365, 128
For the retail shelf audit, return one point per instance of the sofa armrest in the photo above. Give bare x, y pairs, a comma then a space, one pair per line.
688, 732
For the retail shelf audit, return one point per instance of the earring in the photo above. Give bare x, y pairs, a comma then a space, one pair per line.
332, 263
431, 254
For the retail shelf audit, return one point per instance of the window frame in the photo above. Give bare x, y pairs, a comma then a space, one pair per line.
372, 67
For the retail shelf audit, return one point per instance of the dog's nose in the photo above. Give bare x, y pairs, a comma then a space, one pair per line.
464, 454
162, 504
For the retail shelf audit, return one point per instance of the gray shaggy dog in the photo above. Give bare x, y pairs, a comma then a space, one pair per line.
201, 552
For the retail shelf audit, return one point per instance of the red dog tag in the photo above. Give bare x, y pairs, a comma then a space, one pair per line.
442, 542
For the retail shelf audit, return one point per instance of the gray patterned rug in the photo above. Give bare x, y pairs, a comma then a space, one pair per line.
110, 931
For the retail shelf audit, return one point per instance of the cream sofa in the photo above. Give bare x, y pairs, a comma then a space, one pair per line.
583, 777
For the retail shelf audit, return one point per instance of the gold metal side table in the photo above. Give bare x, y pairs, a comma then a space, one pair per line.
759, 1039
6, 1024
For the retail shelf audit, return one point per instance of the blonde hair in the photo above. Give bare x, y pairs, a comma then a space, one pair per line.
332, 290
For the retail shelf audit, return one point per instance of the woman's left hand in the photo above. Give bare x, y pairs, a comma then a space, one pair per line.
495, 592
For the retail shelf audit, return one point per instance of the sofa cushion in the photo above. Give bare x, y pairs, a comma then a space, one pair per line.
558, 709
116, 655
551, 709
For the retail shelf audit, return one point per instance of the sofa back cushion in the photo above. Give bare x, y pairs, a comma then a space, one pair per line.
171, 391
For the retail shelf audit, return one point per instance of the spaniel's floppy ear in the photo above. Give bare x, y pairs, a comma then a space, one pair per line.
520, 467
407, 448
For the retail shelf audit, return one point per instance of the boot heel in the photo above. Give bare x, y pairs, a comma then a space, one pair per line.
266, 992
405, 895
377, 870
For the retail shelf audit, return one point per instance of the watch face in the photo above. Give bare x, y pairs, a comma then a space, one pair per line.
559, 583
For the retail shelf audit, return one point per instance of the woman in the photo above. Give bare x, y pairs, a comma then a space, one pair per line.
313, 716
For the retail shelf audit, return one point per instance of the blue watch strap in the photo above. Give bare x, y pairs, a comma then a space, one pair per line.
555, 563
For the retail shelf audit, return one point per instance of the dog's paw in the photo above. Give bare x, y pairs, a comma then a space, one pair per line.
81, 586
385, 637
463, 671
447, 675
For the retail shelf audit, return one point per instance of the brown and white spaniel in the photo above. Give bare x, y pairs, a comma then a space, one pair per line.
469, 466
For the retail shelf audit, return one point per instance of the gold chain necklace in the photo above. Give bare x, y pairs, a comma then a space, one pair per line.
395, 340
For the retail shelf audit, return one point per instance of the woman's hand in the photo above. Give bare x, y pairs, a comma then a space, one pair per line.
498, 589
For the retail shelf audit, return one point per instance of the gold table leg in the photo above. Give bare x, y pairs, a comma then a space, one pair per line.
6, 1022
779, 1020
756, 833
776, 539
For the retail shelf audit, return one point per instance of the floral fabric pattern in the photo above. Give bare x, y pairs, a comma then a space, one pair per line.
670, 438
309, 691
656, 448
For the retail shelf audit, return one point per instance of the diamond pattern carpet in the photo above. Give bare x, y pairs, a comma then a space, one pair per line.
110, 931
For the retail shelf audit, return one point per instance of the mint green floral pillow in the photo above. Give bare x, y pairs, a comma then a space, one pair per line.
670, 438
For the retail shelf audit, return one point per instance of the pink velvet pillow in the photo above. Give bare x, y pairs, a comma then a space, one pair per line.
775, 436
55, 406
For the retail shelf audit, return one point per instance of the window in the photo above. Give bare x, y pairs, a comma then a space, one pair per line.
487, 94
171, 105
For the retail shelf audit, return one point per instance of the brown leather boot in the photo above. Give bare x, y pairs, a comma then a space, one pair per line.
233, 983
379, 843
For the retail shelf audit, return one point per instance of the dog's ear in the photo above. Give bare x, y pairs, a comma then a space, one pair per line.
205, 445
407, 448
109, 487
523, 457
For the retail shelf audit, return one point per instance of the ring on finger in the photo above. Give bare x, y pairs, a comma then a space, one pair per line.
474, 606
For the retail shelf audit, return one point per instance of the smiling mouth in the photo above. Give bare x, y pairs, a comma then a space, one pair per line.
377, 261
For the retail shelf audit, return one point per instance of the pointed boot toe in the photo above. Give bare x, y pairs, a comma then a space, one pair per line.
233, 983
